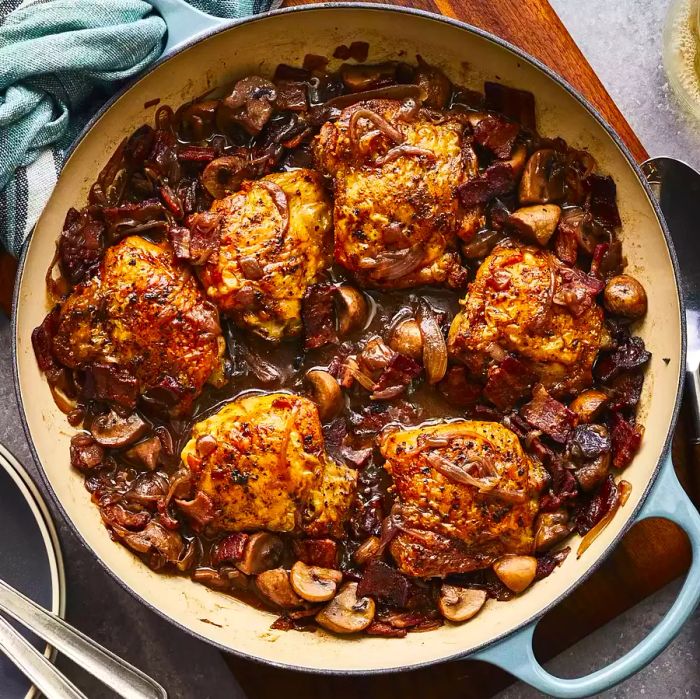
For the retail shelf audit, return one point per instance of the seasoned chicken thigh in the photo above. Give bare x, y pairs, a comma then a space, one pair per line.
524, 301
262, 463
467, 494
394, 175
275, 242
145, 313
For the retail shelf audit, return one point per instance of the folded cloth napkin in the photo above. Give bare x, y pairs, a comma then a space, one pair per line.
59, 60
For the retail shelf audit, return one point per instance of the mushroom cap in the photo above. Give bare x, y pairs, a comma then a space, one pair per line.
345, 613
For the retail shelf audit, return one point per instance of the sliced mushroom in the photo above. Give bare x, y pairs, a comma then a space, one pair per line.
146, 452
517, 160
516, 572
345, 613
313, 583
543, 178
535, 223
434, 83
262, 552
275, 587
625, 296
406, 339
225, 175
367, 550
550, 529
588, 405
249, 105
352, 309
593, 472
460, 603
326, 393
112, 430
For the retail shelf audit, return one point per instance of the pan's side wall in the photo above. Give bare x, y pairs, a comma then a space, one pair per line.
257, 47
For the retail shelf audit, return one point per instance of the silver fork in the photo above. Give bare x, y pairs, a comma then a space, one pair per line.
124, 679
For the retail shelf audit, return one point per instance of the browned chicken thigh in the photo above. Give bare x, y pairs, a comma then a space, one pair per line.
144, 313
275, 242
394, 173
524, 301
261, 462
467, 494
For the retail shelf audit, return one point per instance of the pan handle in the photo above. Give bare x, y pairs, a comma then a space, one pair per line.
668, 500
184, 22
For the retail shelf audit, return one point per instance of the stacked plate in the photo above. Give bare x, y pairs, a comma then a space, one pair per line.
30, 560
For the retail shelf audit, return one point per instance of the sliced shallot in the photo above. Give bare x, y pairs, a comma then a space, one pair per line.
379, 121
434, 346
623, 491
460, 473
405, 149
394, 264
280, 200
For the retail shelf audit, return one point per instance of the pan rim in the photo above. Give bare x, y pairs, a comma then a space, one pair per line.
593, 112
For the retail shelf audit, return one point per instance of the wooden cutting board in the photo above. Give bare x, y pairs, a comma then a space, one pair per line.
652, 554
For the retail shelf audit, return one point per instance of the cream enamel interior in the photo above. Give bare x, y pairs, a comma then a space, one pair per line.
257, 47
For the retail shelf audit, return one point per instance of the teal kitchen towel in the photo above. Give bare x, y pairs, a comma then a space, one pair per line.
59, 61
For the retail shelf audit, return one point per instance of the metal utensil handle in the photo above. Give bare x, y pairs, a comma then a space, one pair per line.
35, 666
123, 678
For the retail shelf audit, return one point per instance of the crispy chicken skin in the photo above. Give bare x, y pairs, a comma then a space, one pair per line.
263, 270
145, 312
509, 305
405, 204
449, 526
268, 468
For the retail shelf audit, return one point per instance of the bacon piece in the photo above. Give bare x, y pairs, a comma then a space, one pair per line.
385, 584
630, 354
317, 552
627, 389
318, 315
602, 200
548, 562
576, 290
230, 549
496, 180
518, 105
508, 382
626, 439
380, 628
80, 245
548, 415
111, 383
397, 374
200, 510
589, 513
85, 453
196, 154
205, 236
42, 340
566, 238
497, 135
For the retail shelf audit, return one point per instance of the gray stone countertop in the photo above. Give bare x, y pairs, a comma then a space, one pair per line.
622, 40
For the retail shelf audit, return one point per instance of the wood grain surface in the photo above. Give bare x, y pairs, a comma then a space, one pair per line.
653, 552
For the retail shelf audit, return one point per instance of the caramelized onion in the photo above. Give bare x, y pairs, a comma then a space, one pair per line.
405, 149
395, 92
379, 121
434, 346
63, 403
393, 264
353, 368
460, 473
280, 200
57, 287
624, 488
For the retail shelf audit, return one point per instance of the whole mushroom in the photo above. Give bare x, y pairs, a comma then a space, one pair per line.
263, 551
625, 296
460, 603
406, 339
326, 393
